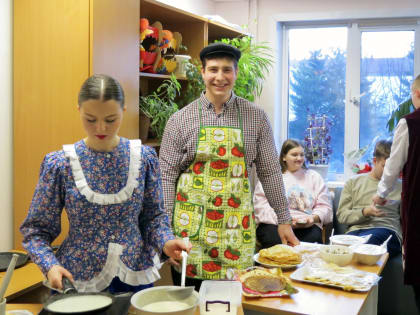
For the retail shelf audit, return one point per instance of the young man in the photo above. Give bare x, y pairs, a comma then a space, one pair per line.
206, 153
356, 209
404, 156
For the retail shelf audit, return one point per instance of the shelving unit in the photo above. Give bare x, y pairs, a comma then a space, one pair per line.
197, 32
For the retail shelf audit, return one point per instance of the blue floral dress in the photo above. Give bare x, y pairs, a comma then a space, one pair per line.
114, 203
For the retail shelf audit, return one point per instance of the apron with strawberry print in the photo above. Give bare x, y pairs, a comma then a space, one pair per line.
213, 205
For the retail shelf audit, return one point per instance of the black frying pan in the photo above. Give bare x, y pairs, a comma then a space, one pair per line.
6, 257
72, 302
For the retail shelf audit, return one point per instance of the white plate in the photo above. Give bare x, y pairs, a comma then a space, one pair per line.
283, 267
348, 240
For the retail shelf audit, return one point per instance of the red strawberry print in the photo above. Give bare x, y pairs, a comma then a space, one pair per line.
217, 201
232, 254
237, 151
181, 196
198, 167
191, 270
221, 151
219, 164
184, 233
245, 221
213, 253
234, 202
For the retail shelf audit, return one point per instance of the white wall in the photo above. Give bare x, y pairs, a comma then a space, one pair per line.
199, 7
6, 131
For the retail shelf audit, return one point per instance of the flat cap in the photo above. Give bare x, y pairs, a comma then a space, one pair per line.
220, 48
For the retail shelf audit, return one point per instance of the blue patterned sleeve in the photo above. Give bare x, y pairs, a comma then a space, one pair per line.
42, 224
154, 223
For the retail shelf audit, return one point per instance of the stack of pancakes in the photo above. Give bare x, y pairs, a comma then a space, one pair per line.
280, 255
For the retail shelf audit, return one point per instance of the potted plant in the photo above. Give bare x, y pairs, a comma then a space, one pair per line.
256, 61
160, 105
317, 144
403, 109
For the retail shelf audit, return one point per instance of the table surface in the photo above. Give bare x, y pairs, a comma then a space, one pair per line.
317, 299
309, 298
24, 279
36, 308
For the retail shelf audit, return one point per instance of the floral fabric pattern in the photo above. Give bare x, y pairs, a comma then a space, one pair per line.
140, 224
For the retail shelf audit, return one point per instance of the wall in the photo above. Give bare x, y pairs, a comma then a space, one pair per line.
201, 7
6, 136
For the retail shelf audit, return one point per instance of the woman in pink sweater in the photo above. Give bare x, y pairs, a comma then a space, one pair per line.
308, 196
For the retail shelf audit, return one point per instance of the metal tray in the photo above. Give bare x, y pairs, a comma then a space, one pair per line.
6, 257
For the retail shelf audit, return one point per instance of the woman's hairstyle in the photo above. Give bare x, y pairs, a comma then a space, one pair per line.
382, 149
288, 145
101, 87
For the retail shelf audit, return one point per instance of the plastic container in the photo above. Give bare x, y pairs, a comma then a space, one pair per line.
368, 254
180, 64
163, 304
337, 254
220, 297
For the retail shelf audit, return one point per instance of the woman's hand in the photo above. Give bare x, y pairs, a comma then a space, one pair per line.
56, 274
173, 248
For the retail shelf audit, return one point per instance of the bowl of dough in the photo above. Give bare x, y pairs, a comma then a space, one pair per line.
157, 300
338, 254
368, 254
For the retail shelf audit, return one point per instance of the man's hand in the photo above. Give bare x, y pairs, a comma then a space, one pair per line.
378, 200
56, 274
372, 211
286, 235
173, 248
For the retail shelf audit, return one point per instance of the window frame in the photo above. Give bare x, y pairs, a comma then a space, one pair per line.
355, 29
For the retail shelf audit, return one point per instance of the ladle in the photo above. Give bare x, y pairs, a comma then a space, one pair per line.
8, 276
181, 293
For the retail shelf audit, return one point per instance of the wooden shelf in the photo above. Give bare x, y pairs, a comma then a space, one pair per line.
152, 143
159, 76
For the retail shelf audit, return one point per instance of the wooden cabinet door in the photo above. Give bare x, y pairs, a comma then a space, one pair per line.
57, 45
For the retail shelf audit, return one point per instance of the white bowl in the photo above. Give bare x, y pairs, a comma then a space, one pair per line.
165, 304
337, 254
347, 240
368, 254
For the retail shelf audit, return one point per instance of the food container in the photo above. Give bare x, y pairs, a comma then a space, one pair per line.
220, 297
156, 300
347, 240
337, 254
368, 254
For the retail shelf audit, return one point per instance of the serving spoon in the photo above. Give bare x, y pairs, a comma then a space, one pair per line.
183, 292
8, 276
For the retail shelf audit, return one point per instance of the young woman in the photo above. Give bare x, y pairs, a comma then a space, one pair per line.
111, 189
308, 197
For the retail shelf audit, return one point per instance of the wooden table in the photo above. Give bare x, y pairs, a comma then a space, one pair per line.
36, 308
316, 299
24, 279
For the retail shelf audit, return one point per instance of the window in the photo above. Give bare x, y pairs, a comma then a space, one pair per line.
356, 74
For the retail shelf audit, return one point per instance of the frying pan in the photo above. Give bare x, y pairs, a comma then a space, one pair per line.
6, 257
72, 302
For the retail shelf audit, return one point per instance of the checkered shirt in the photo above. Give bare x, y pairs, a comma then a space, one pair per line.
180, 139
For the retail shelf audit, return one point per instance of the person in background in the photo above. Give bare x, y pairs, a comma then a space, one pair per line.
206, 153
111, 189
308, 196
357, 211
405, 152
